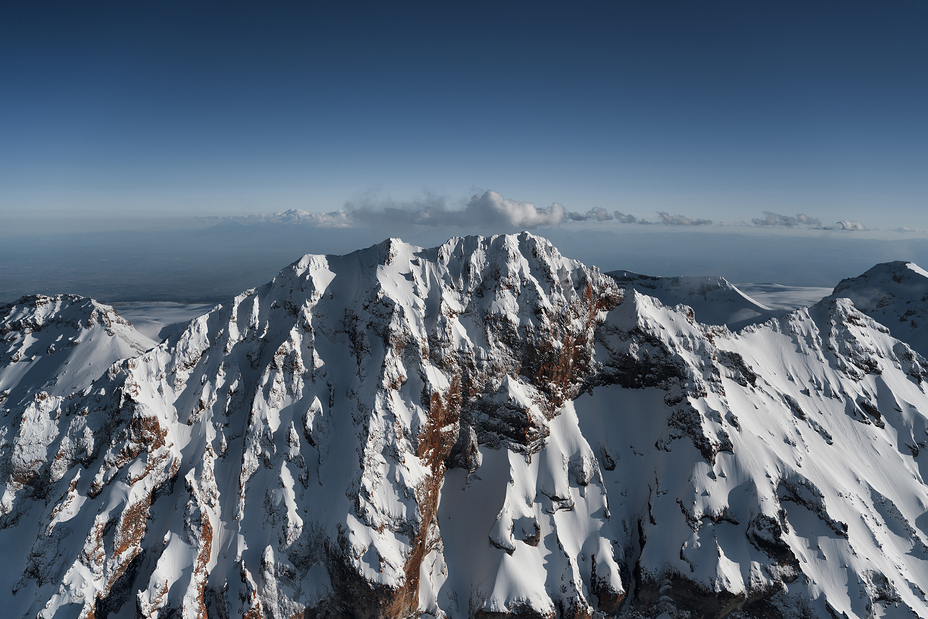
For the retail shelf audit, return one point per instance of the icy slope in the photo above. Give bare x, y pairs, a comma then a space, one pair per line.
51, 351
483, 429
714, 300
895, 294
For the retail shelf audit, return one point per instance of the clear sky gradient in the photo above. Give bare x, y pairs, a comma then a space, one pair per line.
718, 110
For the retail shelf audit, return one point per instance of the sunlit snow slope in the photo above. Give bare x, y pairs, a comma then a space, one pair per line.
483, 429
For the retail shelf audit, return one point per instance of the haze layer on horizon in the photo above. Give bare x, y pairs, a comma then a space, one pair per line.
212, 264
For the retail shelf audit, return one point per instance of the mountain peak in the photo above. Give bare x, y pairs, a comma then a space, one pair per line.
896, 295
894, 269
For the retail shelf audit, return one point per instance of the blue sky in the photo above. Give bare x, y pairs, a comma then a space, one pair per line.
718, 110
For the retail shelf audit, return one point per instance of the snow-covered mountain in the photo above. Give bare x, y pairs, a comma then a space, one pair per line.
715, 300
482, 429
61, 344
895, 294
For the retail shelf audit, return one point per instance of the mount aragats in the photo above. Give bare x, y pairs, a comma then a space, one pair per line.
482, 429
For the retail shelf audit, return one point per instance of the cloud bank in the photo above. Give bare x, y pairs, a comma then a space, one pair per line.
624, 218
333, 219
849, 226
486, 210
680, 220
772, 219
490, 210
594, 214
776, 220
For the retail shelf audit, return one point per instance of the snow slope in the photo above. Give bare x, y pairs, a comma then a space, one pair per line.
482, 429
158, 320
714, 300
779, 296
895, 294
61, 344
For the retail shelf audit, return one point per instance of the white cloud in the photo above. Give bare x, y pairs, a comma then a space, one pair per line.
851, 226
624, 218
594, 214
809, 221
492, 208
333, 219
772, 219
680, 220
486, 209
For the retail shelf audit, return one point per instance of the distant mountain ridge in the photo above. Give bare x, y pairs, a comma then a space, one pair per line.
715, 300
481, 429
895, 294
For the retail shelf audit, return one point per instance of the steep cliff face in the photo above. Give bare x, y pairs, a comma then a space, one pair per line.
480, 429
